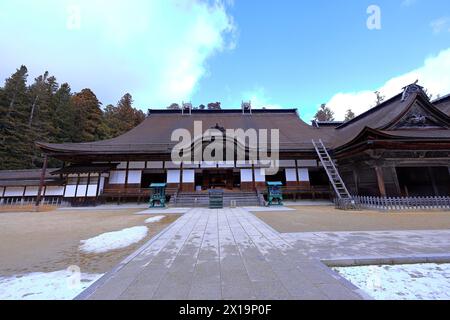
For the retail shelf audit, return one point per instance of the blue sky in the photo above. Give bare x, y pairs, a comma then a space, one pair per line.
280, 54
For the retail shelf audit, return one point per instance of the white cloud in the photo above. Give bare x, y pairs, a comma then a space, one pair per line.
440, 25
434, 75
408, 3
259, 98
157, 50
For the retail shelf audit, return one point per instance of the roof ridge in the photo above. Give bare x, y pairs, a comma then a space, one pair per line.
370, 111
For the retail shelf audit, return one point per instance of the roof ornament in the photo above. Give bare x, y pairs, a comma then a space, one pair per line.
217, 127
410, 89
186, 108
246, 107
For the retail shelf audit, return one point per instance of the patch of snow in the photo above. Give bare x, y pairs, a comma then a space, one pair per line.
164, 211
154, 219
44, 286
114, 240
428, 281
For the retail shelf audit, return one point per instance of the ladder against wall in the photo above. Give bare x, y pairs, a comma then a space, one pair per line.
343, 198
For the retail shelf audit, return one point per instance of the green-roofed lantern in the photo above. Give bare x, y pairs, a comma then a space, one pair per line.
274, 193
158, 195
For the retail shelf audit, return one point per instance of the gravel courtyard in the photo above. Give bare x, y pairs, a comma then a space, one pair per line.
327, 218
49, 241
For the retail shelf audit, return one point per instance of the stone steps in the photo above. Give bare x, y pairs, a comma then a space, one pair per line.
190, 199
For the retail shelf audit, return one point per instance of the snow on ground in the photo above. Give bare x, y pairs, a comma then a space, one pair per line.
154, 219
114, 240
401, 282
58, 285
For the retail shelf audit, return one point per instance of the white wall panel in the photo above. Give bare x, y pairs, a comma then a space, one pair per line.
303, 174
154, 164
287, 163
137, 165
173, 176
226, 164
188, 176
122, 165
14, 191
32, 191
102, 185
54, 191
81, 192
243, 164
92, 190
307, 163
134, 177
191, 165
70, 191
246, 175
117, 177
208, 164
260, 175
291, 175
171, 165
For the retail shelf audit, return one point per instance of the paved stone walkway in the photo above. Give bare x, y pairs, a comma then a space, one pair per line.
231, 254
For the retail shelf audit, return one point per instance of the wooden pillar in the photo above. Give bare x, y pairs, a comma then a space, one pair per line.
42, 181
253, 177
126, 174
356, 179
433, 181
396, 182
380, 180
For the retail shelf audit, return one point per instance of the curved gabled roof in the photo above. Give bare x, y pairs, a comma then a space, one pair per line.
383, 118
443, 104
154, 134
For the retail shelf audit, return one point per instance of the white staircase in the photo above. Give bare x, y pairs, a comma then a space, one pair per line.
342, 194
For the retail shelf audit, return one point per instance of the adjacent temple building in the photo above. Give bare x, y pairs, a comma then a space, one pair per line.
398, 148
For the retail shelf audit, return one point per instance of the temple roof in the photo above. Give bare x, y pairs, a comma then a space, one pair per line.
443, 104
154, 134
409, 114
20, 178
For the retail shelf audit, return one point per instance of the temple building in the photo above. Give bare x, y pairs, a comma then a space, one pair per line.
399, 148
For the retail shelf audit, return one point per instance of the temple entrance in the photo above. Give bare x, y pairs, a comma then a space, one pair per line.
216, 179
424, 181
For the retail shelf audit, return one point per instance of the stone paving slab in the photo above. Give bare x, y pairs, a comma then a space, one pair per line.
231, 254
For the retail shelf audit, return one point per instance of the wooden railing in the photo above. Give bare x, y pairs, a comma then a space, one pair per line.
296, 191
141, 194
399, 203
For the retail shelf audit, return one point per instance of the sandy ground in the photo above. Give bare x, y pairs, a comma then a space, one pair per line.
49, 241
327, 218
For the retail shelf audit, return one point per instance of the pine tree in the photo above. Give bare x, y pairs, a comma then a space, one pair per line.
41, 114
88, 116
379, 98
14, 132
123, 117
324, 114
64, 115
349, 115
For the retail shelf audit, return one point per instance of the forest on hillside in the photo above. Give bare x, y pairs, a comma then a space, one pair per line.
47, 111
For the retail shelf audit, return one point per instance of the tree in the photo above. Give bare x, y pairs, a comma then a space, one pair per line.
123, 117
324, 113
379, 98
14, 132
174, 106
89, 117
202, 107
349, 115
64, 116
214, 106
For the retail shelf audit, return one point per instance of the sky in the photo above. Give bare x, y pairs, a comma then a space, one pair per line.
278, 54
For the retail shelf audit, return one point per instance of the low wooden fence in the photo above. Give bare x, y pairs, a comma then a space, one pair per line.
396, 203
17, 203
